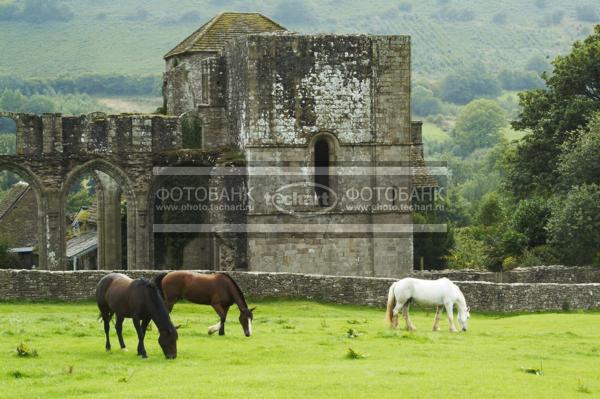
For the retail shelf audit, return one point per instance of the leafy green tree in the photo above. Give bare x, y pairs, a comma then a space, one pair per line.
467, 84
479, 125
490, 210
567, 104
424, 102
580, 158
530, 218
574, 226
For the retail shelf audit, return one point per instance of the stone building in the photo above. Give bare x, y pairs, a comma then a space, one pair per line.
305, 101
261, 110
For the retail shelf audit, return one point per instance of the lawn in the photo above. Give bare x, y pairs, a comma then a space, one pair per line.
299, 350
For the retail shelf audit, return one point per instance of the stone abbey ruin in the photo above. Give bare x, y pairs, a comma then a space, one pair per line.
240, 93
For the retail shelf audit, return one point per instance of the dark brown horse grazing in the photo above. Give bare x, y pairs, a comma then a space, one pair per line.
139, 299
218, 290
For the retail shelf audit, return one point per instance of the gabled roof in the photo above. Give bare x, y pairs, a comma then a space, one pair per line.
213, 35
12, 197
82, 244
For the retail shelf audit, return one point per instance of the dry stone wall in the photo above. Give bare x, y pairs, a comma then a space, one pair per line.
20, 285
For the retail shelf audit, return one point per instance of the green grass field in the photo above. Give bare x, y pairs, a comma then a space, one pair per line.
299, 350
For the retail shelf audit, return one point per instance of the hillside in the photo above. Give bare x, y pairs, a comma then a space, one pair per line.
76, 37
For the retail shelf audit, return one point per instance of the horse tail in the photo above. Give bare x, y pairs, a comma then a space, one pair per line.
391, 303
158, 282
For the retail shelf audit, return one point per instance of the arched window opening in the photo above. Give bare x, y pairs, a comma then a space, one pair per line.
8, 136
96, 220
191, 131
321, 164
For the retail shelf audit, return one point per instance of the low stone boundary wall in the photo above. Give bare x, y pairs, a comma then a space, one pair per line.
536, 274
480, 295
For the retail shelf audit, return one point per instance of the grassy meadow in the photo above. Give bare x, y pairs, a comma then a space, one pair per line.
300, 349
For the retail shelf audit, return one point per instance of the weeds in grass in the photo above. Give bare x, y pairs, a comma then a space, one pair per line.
23, 350
70, 369
357, 321
17, 374
126, 378
534, 371
581, 387
324, 323
352, 333
288, 327
354, 355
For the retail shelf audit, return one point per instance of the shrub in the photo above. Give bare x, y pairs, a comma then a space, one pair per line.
509, 263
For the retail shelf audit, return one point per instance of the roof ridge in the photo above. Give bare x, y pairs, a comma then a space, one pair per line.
204, 32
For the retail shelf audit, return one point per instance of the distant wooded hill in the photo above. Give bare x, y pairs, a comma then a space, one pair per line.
47, 38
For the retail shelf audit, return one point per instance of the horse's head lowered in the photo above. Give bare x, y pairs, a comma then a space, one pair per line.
463, 317
168, 342
246, 320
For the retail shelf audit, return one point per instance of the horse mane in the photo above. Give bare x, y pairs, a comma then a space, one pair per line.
237, 287
158, 282
151, 285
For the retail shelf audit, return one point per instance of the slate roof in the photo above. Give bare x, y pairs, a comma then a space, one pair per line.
421, 177
213, 35
11, 198
82, 244
18, 211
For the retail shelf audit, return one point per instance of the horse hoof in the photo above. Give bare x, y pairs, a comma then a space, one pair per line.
211, 332
124, 349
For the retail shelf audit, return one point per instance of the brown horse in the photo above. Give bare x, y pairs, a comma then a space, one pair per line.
218, 290
139, 299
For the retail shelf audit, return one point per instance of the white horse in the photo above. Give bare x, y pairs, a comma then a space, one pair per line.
426, 292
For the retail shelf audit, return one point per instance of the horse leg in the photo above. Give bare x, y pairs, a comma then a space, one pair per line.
450, 310
145, 323
119, 328
220, 326
395, 315
409, 323
436, 321
141, 351
106, 319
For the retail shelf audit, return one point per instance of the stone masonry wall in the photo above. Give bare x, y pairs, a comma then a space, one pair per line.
480, 295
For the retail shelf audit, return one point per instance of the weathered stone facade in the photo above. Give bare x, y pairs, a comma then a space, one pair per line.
480, 295
311, 103
282, 94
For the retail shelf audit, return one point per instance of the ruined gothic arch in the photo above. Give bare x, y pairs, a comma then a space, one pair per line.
36, 185
106, 247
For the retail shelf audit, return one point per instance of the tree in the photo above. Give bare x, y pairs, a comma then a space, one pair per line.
574, 226
580, 159
479, 125
530, 219
552, 114
538, 64
424, 103
490, 210
468, 84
